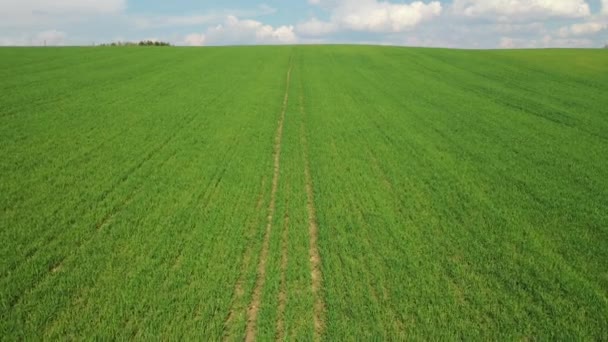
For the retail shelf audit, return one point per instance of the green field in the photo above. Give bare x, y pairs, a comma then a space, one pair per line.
309, 192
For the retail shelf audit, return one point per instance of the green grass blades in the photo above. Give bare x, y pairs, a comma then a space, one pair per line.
303, 193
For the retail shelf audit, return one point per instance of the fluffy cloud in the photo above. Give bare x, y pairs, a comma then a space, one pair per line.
589, 26
583, 29
49, 38
534, 28
195, 39
546, 41
237, 31
62, 6
370, 16
522, 9
452, 23
315, 28
28, 12
512, 43
146, 22
209, 17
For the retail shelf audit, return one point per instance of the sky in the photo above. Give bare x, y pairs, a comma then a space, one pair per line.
436, 23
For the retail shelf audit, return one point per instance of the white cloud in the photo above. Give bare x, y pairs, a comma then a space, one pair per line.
583, 29
237, 31
507, 43
146, 22
526, 28
51, 37
590, 26
48, 38
15, 41
514, 10
194, 39
62, 6
546, 41
25, 13
209, 17
315, 28
386, 17
455, 23
370, 16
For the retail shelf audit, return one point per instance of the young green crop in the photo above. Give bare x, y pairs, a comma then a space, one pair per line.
461, 194
303, 193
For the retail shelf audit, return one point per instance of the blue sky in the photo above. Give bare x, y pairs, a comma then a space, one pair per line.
446, 23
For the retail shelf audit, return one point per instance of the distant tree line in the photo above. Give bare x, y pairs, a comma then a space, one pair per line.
153, 43
141, 43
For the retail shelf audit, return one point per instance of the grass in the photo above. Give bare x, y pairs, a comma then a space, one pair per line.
455, 194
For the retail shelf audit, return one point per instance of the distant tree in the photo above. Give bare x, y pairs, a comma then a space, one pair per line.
141, 43
606, 46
